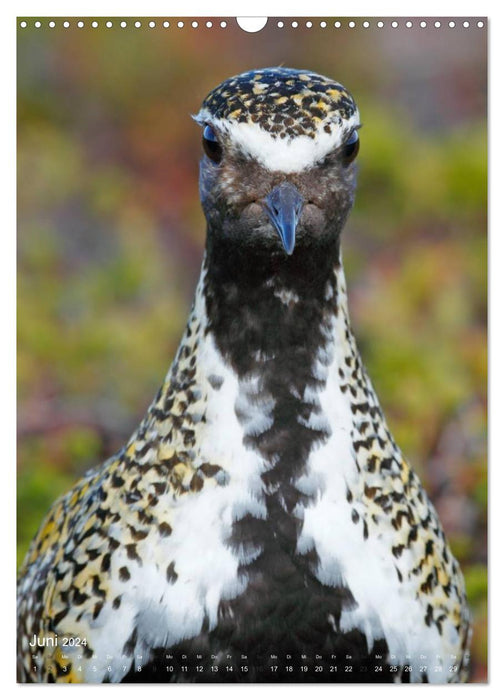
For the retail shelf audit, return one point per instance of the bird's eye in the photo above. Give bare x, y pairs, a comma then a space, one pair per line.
350, 148
211, 146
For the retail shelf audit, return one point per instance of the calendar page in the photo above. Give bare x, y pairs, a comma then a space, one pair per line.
252, 350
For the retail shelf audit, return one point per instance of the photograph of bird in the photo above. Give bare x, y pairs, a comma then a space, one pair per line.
262, 508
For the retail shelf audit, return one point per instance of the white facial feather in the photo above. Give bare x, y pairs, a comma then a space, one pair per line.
288, 155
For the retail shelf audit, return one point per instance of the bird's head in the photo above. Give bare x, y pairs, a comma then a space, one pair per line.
278, 173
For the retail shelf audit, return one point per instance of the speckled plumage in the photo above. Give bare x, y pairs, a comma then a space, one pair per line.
262, 506
285, 106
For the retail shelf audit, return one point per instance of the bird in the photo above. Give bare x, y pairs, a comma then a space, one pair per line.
260, 524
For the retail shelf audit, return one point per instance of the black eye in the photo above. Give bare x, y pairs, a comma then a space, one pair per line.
350, 149
211, 146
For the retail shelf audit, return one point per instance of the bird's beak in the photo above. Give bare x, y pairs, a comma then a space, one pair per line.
284, 204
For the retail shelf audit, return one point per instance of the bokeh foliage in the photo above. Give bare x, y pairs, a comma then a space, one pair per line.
110, 240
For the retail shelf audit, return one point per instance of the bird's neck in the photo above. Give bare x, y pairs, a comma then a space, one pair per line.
267, 374
274, 311
269, 339
274, 336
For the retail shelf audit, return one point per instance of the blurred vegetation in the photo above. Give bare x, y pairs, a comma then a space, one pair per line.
110, 240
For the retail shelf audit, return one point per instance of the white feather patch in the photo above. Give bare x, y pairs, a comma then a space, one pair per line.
385, 608
289, 155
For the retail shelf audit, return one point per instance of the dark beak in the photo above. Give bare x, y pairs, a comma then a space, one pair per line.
284, 204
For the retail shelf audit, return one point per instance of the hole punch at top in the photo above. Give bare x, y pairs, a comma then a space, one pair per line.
252, 24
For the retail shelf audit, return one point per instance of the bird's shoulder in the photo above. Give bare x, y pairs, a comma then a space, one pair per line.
96, 538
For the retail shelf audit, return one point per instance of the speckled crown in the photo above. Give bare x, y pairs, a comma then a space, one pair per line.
282, 101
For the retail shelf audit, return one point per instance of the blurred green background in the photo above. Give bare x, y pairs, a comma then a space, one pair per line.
110, 240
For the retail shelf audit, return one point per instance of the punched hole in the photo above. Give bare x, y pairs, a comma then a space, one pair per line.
252, 24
